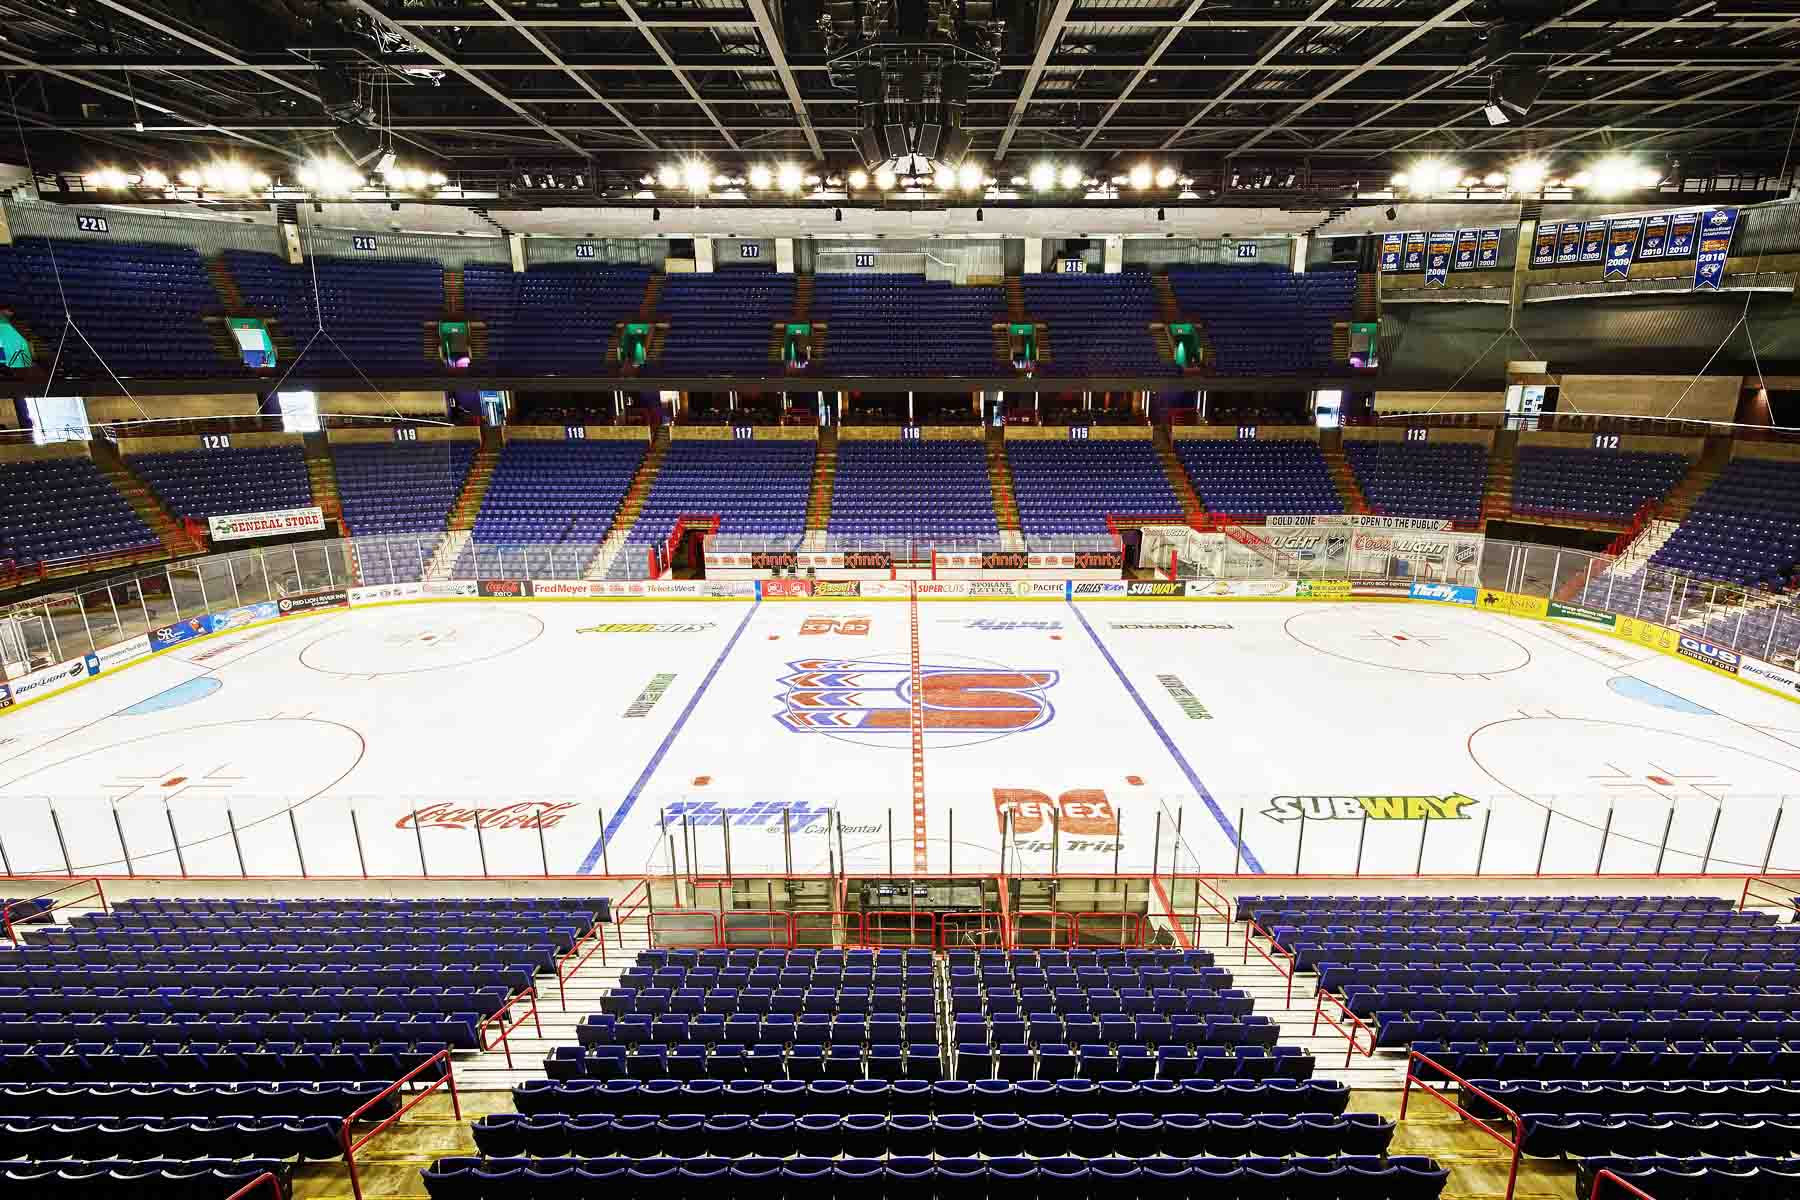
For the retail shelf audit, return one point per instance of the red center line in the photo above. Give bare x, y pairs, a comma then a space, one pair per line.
918, 748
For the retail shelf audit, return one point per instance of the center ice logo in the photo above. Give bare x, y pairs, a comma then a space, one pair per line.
829, 695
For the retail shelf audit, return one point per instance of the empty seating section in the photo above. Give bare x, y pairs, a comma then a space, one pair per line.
138, 303
204, 483
757, 489
557, 491
552, 319
190, 1044
879, 324
1099, 324
936, 490
1069, 488
1658, 1037
1262, 320
390, 487
1257, 478
1143, 1014
1605, 484
720, 323
60, 508
374, 309
1745, 528
802, 1073
1438, 480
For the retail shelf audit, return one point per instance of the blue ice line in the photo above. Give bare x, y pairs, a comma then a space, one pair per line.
1169, 744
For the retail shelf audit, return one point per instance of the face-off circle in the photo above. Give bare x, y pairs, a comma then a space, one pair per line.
409, 641
260, 768
1580, 769
1409, 638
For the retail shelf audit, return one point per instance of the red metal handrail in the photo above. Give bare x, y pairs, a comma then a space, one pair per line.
1133, 922
773, 922
1785, 900
1058, 920
988, 930
1630, 1187
447, 1078
1514, 1143
1273, 955
909, 921
91, 881
267, 1177
1357, 1025
838, 927
499, 1018
568, 964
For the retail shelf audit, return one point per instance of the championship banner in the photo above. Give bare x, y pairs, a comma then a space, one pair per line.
1622, 238
266, 524
1568, 244
1437, 257
1543, 250
1655, 242
1468, 244
1412, 260
1593, 242
1487, 258
1684, 230
1391, 246
1715, 248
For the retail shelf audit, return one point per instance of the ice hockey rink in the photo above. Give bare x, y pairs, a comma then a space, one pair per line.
526, 737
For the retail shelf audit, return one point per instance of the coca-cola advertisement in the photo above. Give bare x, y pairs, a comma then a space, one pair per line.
523, 814
503, 588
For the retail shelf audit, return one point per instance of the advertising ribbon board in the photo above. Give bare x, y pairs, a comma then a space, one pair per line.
1622, 238
1715, 248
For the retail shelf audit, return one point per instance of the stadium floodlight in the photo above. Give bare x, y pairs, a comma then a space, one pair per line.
669, 176
697, 175
885, 179
1650, 177
969, 176
1612, 176
1140, 176
1527, 176
1043, 177
438, 179
760, 178
1070, 177
1493, 179
944, 179
1400, 179
1165, 177
857, 179
191, 177
788, 177
111, 178
155, 179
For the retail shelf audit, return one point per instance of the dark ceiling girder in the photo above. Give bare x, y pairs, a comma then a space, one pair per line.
1162, 45
1275, 46
580, 80
675, 69
1048, 36
771, 37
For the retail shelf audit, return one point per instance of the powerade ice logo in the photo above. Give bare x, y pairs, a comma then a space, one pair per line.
831, 695
1453, 807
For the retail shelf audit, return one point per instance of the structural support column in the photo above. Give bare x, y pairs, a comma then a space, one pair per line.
1115, 253
1034, 256
703, 256
1300, 244
515, 246
1521, 267
784, 256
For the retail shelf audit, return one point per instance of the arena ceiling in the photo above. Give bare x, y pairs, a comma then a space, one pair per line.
577, 101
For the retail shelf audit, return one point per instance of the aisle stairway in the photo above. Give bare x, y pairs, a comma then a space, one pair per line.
1496, 499
175, 539
1015, 299
818, 504
474, 489
323, 476
652, 297
453, 292
631, 506
803, 294
1177, 474
1348, 489
1000, 480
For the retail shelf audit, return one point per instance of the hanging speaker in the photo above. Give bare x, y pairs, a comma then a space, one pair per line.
955, 83
897, 143
871, 84
868, 144
928, 138
953, 147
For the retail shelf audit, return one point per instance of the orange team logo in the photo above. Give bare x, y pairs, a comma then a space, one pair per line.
848, 626
1078, 811
831, 695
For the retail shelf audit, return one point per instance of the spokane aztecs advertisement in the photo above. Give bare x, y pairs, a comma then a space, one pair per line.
1715, 247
